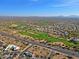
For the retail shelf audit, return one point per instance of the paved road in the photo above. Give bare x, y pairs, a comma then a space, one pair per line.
65, 51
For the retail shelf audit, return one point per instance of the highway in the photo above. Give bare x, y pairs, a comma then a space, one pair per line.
58, 49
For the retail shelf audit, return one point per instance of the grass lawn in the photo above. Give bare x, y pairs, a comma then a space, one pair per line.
44, 36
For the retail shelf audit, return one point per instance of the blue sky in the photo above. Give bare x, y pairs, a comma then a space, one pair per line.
39, 7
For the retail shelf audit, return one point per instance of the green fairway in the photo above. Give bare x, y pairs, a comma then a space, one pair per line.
44, 36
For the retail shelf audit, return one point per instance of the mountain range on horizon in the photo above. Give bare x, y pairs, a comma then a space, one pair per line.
71, 17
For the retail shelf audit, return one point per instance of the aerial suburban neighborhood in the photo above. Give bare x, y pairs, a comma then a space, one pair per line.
39, 29
38, 39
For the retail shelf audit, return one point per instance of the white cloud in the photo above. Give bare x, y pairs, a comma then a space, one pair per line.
67, 3
34, 0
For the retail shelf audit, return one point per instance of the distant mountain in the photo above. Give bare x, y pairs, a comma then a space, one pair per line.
72, 17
